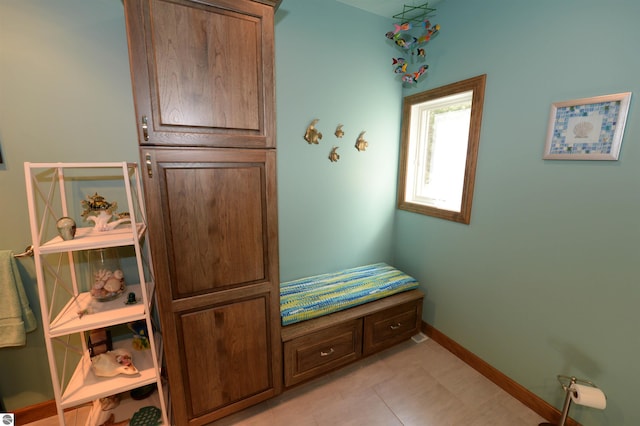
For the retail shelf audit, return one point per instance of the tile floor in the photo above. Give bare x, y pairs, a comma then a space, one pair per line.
418, 384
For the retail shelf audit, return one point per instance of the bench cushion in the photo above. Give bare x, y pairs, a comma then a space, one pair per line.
311, 297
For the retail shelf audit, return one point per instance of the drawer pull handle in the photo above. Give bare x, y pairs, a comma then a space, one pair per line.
396, 326
322, 353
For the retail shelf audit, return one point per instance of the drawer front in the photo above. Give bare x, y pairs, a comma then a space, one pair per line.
317, 353
393, 325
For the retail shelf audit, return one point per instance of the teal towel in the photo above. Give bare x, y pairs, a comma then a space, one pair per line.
16, 316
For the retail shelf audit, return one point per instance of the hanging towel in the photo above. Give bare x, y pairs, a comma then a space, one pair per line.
16, 316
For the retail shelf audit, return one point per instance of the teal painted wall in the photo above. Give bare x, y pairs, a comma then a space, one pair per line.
544, 280
333, 65
65, 95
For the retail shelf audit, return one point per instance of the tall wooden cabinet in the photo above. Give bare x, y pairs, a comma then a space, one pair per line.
203, 84
203, 72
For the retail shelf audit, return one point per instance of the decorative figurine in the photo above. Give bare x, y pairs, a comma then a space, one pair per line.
312, 135
140, 339
66, 228
402, 36
100, 212
99, 341
110, 402
361, 144
413, 78
131, 299
339, 132
400, 64
334, 156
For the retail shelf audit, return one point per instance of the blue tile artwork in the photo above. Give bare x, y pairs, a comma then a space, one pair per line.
575, 129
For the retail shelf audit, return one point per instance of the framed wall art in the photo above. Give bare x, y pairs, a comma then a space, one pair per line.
587, 129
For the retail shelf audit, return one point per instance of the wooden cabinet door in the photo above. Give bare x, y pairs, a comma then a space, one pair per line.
213, 234
202, 72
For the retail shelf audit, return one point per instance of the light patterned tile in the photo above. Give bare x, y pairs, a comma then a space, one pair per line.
471, 387
440, 361
353, 380
297, 417
417, 398
407, 355
253, 416
305, 401
408, 385
496, 412
518, 409
435, 406
358, 409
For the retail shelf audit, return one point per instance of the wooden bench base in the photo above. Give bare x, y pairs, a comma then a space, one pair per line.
316, 346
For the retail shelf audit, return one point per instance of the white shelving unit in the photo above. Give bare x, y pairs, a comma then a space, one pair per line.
69, 312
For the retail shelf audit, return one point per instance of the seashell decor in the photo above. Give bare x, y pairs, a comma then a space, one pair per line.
101, 212
582, 129
108, 279
112, 363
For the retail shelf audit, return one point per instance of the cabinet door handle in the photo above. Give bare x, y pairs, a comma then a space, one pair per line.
329, 352
148, 163
145, 128
395, 326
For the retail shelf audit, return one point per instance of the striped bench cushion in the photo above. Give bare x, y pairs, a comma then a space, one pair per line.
319, 295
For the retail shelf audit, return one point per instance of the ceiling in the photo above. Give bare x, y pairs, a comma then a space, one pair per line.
386, 8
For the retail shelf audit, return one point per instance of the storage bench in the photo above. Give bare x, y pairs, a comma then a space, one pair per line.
316, 346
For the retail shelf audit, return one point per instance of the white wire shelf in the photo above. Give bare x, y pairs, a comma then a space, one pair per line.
89, 238
85, 386
85, 313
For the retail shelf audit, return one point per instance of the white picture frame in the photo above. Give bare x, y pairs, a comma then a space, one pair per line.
588, 128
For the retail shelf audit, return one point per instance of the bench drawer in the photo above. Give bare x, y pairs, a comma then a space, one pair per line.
391, 326
319, 352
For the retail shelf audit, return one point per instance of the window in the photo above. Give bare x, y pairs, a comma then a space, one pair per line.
440, 135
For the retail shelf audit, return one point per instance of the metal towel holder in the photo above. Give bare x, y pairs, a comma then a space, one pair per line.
28, 252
